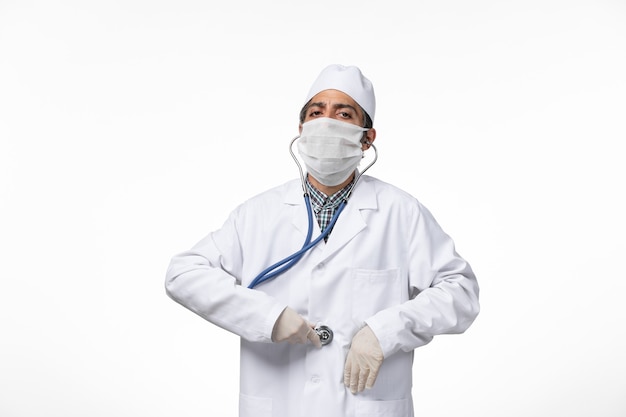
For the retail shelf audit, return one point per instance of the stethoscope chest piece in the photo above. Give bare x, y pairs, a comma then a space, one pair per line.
325, 334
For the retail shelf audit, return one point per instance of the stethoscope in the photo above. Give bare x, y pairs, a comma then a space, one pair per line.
279, 267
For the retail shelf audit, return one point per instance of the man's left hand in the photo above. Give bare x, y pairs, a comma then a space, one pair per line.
363, 361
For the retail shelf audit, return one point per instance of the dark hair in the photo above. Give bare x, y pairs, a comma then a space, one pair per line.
367, 123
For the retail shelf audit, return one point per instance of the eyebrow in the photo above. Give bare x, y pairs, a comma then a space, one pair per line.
335, 106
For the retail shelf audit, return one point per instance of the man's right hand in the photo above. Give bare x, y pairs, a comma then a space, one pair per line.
291, 327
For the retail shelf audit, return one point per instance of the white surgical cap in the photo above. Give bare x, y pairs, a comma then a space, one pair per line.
349, 80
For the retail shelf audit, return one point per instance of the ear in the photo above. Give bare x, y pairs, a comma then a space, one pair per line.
299, 128
370, 137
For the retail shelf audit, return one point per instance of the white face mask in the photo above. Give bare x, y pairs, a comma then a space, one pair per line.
331, 149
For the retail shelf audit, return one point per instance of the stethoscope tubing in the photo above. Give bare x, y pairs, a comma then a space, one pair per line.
280, 267
271, 271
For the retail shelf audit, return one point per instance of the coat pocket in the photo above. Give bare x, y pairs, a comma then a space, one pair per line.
393, 408
250, 406
373, 291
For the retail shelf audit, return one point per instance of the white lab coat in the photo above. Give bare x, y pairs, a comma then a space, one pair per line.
386, 264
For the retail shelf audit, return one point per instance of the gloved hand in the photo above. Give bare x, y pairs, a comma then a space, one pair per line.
363, 361
291, 327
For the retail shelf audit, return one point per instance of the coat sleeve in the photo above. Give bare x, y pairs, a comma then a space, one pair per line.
205, 280
443, 287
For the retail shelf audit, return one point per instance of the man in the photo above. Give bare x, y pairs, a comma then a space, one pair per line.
384, 281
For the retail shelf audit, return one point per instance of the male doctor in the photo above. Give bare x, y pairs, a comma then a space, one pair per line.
385, 281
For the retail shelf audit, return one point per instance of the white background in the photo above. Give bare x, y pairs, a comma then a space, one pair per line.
130, 129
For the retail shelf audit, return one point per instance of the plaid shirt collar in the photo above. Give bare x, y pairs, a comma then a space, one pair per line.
321, 201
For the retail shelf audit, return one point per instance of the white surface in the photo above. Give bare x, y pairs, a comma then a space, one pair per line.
126, 125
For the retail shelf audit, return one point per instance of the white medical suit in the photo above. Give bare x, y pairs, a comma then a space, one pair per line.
387, 264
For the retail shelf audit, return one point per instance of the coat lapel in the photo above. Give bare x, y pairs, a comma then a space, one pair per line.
351, 221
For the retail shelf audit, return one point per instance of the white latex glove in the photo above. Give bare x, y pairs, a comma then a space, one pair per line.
363, 361
291, 327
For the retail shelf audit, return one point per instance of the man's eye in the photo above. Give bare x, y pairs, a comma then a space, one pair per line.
345, 115
315, 113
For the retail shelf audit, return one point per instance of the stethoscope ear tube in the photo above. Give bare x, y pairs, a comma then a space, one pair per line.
304, 190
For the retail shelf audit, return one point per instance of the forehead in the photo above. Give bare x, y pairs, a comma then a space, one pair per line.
333, 97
